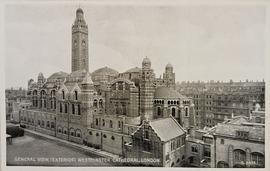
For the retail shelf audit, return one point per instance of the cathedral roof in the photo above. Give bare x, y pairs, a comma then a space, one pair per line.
58, 75
105, 71
132, 70
166, 92
161, 127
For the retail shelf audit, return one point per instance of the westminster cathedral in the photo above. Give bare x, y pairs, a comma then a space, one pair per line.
130, 114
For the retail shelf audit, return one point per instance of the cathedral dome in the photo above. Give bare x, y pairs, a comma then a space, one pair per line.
58, 75
105, 71
166, 92
104, 74
134, 70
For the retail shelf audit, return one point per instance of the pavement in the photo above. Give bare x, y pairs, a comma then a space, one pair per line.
80, 147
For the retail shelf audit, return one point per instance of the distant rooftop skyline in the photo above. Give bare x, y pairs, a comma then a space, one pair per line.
201, 42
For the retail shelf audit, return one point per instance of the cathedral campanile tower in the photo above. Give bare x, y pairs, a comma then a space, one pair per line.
80, 59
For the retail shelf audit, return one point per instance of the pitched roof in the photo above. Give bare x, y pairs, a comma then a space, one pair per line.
167, 128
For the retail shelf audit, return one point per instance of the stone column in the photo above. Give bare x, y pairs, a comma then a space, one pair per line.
230, 156
248, 159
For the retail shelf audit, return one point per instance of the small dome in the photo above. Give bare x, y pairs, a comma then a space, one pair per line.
146, 60
166, 92
40, 75
169, 65
79, 10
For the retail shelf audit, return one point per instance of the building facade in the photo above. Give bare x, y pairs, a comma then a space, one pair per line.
105, 109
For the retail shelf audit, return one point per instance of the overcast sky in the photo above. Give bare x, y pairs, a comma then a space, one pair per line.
201, 42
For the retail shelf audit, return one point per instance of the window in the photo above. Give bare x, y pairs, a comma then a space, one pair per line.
61, 110
112, 138
96, 122
146, 146
158, 111
103, 122
173, 112
66, 108
104, 136
79, 109
146, 134
76, 95
119, 124
207, 152
221, 141
239, 156
100, 103
63, 94
95, 103
90, 133
257, 158
52, 124
186, 111
73, 109
242, 134
111, 124
48, 124
194, 149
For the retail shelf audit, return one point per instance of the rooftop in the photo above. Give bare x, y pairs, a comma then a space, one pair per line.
167, 128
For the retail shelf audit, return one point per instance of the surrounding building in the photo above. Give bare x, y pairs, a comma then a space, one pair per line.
15, 97
217, 101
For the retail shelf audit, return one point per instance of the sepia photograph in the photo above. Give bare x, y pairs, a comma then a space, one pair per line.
134, 84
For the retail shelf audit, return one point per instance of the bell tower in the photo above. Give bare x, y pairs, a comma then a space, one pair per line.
80, 59
147, 90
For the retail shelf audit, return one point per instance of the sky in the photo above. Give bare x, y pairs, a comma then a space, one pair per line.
201, 42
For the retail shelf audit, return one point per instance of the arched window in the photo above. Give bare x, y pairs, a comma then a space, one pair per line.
159, 111
103, 122
79, 109
111, 124
61, 110
257, 159
96, 121
72, 132
101, 103
65, 130
95, 103
239, 156
173, 112
73, 109
66, 108
186, 111
63, 94
78, 133
59, 129
76, 95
